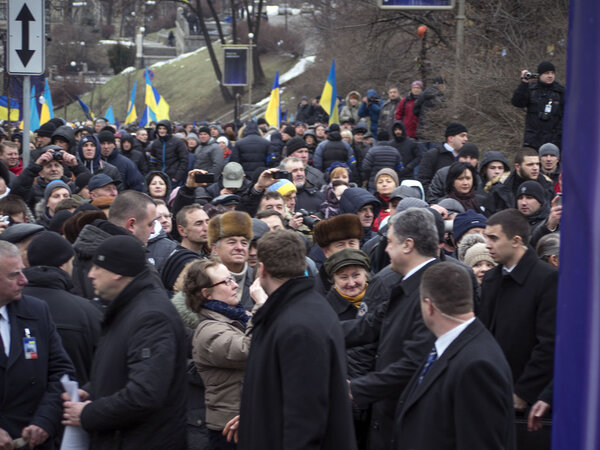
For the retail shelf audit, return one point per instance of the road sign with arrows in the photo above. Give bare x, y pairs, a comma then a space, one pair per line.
26, 40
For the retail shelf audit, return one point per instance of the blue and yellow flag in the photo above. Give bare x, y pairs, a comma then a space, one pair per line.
46, 109
273, 112
34, 119
159, 108
110, 115
329, 100
14, 109
145, 119
85, 108
131, 113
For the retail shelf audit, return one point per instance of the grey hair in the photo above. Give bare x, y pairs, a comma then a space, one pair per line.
419, 225
290, 159
467, 242
548, 245
8, 250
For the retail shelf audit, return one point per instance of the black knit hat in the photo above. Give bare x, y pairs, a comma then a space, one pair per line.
49, 249
545, 66
174, 264
533, 189
290, 130
295, 143
123, 255
469, 149
455, 128
46, 130
106, 136
204, 129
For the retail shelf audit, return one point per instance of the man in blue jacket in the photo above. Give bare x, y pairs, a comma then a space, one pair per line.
130, 175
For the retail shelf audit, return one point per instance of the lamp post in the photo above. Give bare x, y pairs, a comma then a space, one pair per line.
251, 72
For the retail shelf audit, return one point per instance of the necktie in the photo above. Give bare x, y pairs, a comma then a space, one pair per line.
430, 360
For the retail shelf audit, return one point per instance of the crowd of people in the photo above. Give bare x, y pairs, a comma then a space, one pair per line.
317, 285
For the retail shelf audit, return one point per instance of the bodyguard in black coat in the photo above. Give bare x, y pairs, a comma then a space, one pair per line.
461, 396
295, 393
138, 381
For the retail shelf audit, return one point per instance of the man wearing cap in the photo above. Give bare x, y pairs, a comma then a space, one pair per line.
89, 153
32, 360
443, 154
229, 237
102, 185
42, 170
208, 155
130, 175
49, 278
404, 112
251, 151
21, 235
543, 216
296, 147
169, 154
395, 324
550, 161
331, 236
544, 99
469, 153
136, 397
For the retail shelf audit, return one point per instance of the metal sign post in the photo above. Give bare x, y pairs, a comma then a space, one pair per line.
26, 52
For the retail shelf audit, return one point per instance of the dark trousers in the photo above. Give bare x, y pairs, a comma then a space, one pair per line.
219, 442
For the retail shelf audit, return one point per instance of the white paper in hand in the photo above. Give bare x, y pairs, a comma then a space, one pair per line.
74, 438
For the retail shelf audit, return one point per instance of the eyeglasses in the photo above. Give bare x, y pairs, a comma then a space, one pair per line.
227, 282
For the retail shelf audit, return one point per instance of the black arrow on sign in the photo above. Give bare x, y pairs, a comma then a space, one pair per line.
25, 17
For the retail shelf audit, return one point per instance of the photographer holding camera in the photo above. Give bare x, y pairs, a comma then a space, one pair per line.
371, 106
544, 99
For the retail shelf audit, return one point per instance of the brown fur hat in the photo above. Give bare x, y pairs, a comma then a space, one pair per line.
344, 226
231, 223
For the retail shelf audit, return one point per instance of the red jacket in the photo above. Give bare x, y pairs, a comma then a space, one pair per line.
404, 112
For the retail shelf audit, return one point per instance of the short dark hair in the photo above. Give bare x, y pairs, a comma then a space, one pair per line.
13, 204
129, 204
282, 253
513, 223
181, 218
419, 225
448, 286
268, 213
74, 224
456, 170
272, 195
195, 280
523, 152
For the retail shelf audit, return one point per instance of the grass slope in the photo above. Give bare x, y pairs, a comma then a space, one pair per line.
188, 85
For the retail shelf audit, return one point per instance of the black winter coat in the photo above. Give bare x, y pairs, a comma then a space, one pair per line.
251, 151
77, 319
403, 341
519, 309
409, 152
381, 155
130, 175
432, 161
139, 375
300, 390
541, 128
169, 154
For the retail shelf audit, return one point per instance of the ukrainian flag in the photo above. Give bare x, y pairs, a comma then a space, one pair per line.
131, 113
34, 119
47, 109
159, 108
86, 109
110, 115
145, 120
14, 109
273, 112
329, 100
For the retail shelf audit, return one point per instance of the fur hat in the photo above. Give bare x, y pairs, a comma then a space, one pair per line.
344, 226
232, 223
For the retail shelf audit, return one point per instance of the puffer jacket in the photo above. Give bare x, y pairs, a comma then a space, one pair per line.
220, 349
130, 175
97, 164
251, 151
169, 154
380, 156
209, 157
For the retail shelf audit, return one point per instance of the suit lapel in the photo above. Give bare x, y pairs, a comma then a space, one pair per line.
19, 320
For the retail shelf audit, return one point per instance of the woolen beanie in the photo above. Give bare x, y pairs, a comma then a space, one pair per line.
463, 222
123, 255
469, 149
284, 187
46, 130
455, 128
295, 143
533, 189
545, 66
52, 186
478, 252
49, 249
290, 130
417, 83
106, 136
549, 149
390, 173
204, 129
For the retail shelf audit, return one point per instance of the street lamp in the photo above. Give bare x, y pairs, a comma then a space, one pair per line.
251, 72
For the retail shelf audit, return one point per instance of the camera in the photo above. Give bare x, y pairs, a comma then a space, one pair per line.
57, 156
307, 219
5, 219
204, 177
282, 175
373, 99
530, 75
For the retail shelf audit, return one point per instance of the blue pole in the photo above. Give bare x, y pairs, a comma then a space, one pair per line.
576, 406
